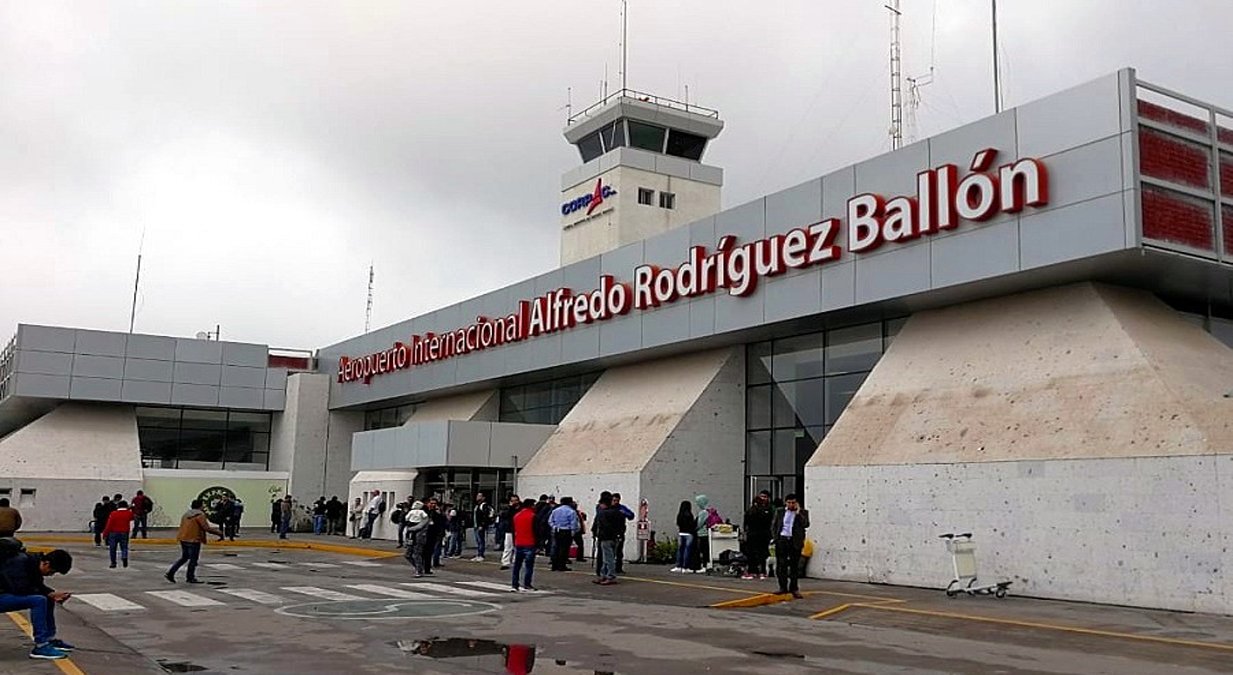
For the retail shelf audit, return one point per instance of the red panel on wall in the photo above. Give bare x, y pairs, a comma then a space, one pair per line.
1170, 158
1226, 215
290, 362
1181, 219
1226, 174
1159, 113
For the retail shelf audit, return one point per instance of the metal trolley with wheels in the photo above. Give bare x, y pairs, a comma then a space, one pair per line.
963, 558
725, 551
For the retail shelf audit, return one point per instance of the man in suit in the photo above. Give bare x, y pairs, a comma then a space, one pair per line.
789, 535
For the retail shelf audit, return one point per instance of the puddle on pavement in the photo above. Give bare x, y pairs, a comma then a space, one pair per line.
779, 655
179, 666
490, 656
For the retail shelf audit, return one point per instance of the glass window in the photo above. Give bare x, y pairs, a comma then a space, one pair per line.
849, 350
892, 329
758, 407
687, 145
758, 452
783, 451
590, 147
839, 392
646, 136
798, 357
205, 420
613, 135
667, 200
158, 417
646, 196
758, 363
799, 403
544, 402
807, 442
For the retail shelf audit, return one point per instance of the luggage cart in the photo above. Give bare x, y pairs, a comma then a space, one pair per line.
963, 558
723, 538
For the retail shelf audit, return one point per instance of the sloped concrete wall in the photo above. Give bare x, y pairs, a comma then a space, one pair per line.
663, 430
480, 405
1080, 432
90, 449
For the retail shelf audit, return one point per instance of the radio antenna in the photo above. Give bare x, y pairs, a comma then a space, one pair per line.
624, 42
896, 75
997, 83
368, 309
132, 314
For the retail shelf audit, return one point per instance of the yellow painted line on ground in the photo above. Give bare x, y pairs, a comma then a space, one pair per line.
837, 594
1050, 626
66, 665
758, 600
247, 543
849, 605
685, 585
832, 611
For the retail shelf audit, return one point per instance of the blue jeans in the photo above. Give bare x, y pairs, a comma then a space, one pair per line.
117, 539
481, 540
685, 543
607, 569
141, 522
318, 524
524, 556
284, 526
42, 613
189, 552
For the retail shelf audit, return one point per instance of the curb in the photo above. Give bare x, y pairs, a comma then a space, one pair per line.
251, 543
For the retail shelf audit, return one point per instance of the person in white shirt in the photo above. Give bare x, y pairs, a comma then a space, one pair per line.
375, 506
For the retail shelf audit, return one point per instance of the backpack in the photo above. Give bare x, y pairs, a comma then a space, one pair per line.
10, 547
397, 517
713, 518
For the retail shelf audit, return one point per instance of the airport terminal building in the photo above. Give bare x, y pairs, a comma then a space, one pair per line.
1021, 328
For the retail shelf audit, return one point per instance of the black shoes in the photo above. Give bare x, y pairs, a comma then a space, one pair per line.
170, 578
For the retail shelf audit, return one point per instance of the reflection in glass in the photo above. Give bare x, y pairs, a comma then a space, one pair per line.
849, 350
798, 357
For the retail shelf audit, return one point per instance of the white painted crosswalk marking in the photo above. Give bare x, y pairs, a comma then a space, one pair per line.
493, 586
106, 602
252, 594
391, 592
323, 593
450, 590
318, 564
361, 563
223, 566
271, 565
185, 599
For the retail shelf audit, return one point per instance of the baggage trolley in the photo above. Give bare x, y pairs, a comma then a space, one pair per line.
963, 559
722, 538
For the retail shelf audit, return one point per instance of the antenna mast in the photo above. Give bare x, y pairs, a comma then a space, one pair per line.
997, 84
132, 315
368, 310
896, 75
915, 83
624, 41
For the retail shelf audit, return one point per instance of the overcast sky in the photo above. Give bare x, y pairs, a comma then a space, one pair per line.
271, 150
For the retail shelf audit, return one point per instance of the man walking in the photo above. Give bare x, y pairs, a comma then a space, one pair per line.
119, 524
223, 513
319, 515
757, 528
141, 508
416, 532
276, 514
505, 521
524, 545
10, 518
192, 535
284, 524
483, 515
564, 523
22, 587
436, 532
334, 514
609, 527
102, 509
789, 528
628, 515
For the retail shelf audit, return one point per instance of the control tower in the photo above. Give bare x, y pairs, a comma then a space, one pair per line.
641, 173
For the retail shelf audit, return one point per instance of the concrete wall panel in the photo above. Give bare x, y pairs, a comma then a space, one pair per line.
197, 373
245, 354
95, 389
154, 347
897, 272
137, 391
149, 370
41, 386
98, 366
194, 394
46, 338
243, 376
44, 363
1069, 118
198, 351
990, 251
100, 343
241, 397
1077, 231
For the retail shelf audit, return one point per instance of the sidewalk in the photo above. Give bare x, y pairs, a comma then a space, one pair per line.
371, 548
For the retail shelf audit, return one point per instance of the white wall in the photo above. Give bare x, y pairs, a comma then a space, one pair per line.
395, 485
298, 439
71, 457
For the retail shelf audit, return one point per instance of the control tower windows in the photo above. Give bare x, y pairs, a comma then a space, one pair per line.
682, 144
646, 196
613, 135
667, 200
646, 136
590, 147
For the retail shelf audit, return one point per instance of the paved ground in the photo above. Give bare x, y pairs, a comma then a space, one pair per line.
268, 610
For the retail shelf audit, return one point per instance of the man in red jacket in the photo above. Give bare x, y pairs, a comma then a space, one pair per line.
115, 532
525, 542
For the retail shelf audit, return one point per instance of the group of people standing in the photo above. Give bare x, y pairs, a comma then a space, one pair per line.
329, 516
556, 529
116, 520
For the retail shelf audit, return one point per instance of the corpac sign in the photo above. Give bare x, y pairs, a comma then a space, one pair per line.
943, 199
591, 201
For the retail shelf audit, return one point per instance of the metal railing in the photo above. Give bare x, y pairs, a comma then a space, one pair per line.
644, 97
8, 356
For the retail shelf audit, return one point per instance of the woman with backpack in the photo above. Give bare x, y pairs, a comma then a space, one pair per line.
708, 517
